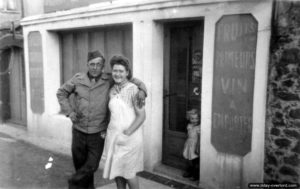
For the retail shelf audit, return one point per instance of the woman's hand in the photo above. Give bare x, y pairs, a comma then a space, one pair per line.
126, 132
122, 139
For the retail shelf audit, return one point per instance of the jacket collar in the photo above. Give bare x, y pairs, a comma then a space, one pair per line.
85, 80
103, 79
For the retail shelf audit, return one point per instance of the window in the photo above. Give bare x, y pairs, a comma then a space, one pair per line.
8, 5
2, 4
11, 5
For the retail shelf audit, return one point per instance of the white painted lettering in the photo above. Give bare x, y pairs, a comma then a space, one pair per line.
228, 32
233, 86
236, 59
240, 123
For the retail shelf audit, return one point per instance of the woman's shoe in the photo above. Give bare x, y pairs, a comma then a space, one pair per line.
187, 175
194, 178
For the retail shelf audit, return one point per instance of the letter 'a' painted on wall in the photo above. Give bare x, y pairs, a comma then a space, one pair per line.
36, 72
233, 83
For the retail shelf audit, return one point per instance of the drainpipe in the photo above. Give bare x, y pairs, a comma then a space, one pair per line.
22, 9
1, 115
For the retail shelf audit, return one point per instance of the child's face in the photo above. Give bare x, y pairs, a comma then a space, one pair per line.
194, 119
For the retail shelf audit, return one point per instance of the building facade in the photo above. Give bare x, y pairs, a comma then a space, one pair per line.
210, 55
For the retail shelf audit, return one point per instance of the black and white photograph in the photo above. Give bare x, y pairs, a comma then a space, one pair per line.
149, 94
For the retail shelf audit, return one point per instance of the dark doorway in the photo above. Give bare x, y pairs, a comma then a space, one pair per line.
13, 86
182, 84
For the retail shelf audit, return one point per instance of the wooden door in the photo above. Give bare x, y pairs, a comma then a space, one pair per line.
182, 85
17, 88
4, 64
13, 91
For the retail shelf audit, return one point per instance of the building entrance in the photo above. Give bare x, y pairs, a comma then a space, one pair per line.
13, 86
182, 85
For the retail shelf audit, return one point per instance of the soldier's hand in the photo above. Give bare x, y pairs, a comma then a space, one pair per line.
103, 134
73, 117
140, 97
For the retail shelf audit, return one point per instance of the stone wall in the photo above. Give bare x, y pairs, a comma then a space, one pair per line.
282, 152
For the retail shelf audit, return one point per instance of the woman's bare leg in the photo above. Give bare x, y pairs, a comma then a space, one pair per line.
133, 183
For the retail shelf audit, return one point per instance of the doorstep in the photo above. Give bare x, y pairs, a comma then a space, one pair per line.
171, 177
144, 183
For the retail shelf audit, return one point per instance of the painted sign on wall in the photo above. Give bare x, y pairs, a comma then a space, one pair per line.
233, 83
58, 5
36, 72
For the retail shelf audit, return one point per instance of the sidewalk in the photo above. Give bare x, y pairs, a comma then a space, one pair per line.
144, 184
20, 133
40, 146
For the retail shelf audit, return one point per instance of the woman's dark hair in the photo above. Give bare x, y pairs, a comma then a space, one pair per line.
121, 60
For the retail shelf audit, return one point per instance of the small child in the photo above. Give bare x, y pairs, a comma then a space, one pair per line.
190, 147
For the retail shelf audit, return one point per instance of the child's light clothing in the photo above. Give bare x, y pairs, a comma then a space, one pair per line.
191, 141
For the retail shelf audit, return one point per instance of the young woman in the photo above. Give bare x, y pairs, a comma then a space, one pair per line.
123, 150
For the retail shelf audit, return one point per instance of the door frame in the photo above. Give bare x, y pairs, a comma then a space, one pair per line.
166, 80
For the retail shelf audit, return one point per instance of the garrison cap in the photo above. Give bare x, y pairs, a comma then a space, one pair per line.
95, 54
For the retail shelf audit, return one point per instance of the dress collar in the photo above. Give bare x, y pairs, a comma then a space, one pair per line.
121, 86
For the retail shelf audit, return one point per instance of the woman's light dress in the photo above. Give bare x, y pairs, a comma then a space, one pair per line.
123, 154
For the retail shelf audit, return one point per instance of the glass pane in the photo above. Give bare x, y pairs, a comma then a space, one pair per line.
11, 5
2, 2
